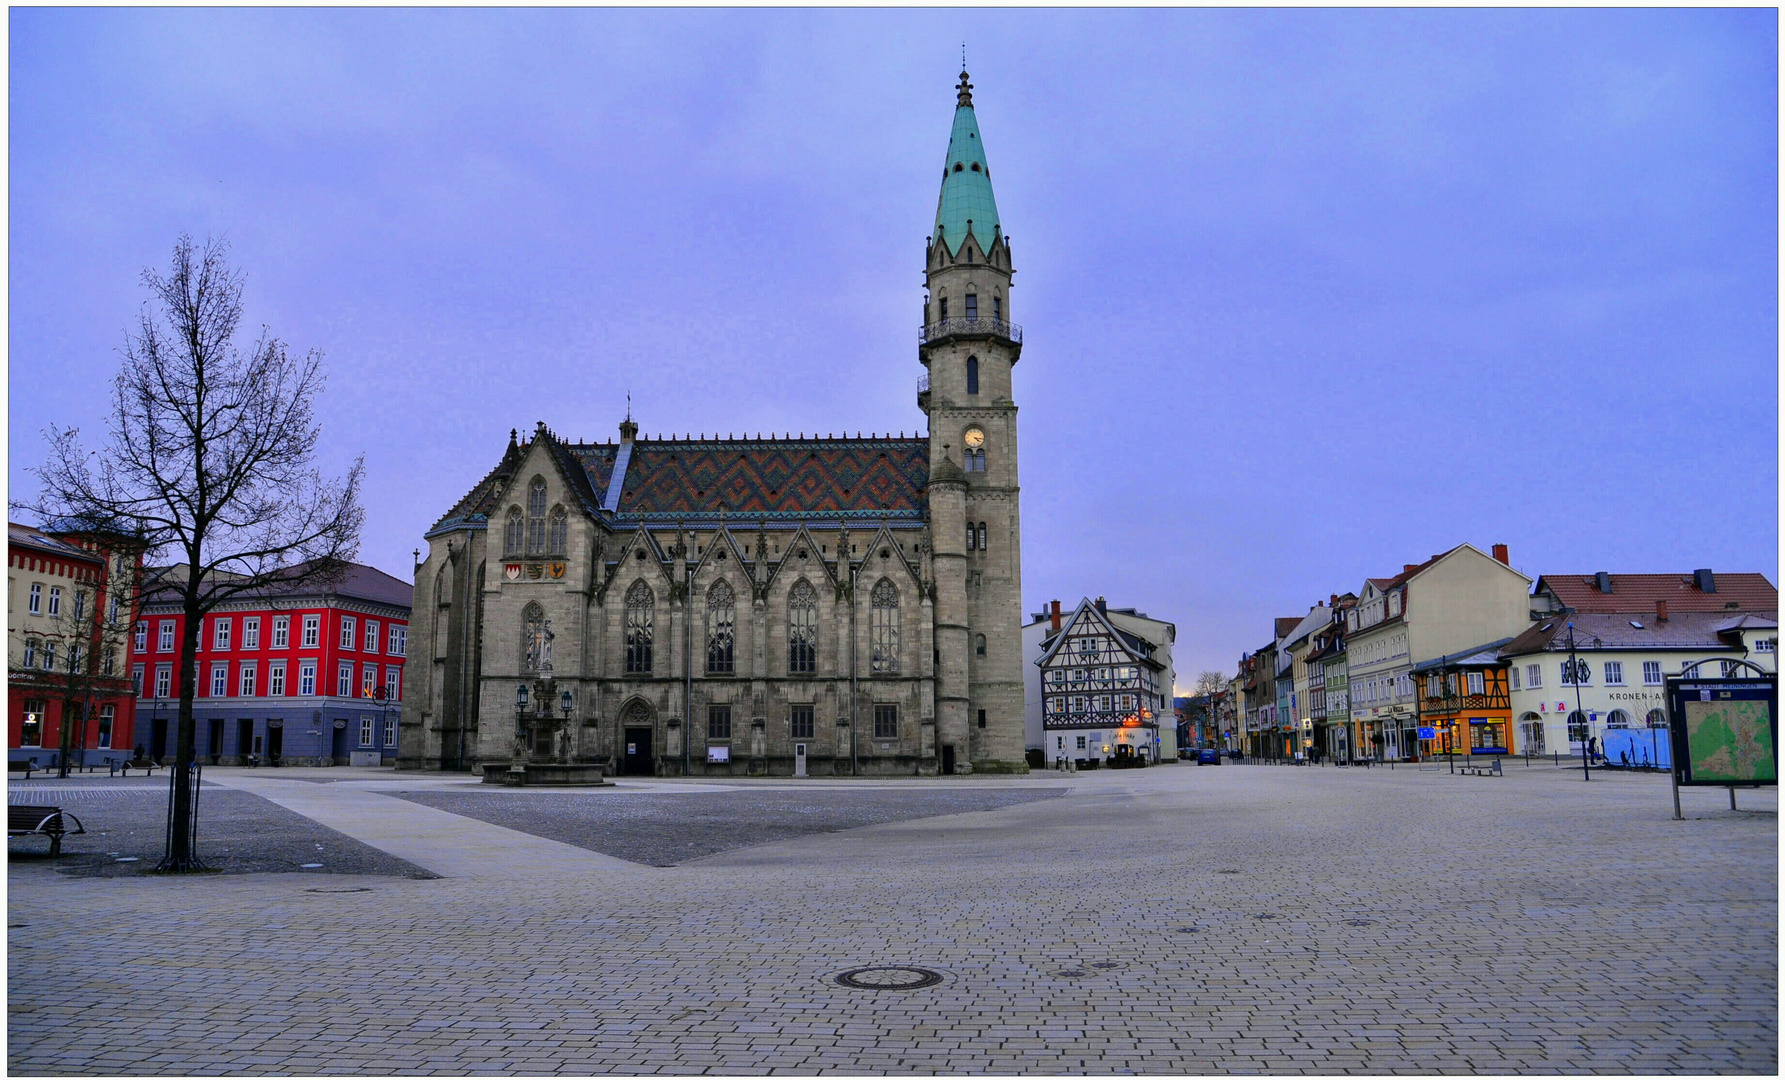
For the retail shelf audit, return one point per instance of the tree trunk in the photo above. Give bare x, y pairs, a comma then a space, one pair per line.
180, 856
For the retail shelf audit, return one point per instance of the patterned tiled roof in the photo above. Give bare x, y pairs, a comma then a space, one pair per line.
1638, 592
772, 477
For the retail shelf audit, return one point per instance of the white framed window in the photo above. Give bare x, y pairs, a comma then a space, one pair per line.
365, 731
55, 600
1534, 676
111, 610
1766, 644
371, 635
390, 732
220, 679
348, 625
344, 679
312, 631
107, 716
220, 634
281, 631
1651, 673
368, 680
307, 678
392, 683
30, 652
1614, 673
1513, 673
164, 679
1477, 683
164, 641
276, 678
142, 636
247, 680
136, 680
80, 605
251, 633
399, 640
36, 603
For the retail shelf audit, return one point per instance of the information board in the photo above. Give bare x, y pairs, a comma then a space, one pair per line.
1725, 732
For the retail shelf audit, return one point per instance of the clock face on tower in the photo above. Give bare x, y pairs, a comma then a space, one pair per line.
975, 438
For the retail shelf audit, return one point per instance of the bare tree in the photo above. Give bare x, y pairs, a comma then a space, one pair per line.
208, 462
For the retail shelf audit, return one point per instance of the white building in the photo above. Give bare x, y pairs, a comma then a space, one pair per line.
1099, 684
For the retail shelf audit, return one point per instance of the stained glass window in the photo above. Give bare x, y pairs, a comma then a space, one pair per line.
883, 624
721, 629
640, 608
802, 629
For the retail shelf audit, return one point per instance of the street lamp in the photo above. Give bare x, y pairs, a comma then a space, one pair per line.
566, 705
520, 720
1574, 666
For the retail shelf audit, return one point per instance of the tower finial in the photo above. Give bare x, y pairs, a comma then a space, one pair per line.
629, 405
964, 91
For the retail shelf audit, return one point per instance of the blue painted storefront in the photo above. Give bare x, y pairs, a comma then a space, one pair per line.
328, 733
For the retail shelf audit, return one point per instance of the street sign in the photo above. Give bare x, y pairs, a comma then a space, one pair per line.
1428, 733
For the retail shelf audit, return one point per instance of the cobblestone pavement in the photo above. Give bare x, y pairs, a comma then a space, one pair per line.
1419, 922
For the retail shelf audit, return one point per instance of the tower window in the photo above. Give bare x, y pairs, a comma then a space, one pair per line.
942, 308
972, 361
972, 305
971, 545
957, 166
982, 546
975, 166
997, 307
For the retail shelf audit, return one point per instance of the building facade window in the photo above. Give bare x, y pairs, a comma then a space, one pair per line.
392, 683
1651, 673
802, 629
368, 680
799, 721
536, 517
886, 721
31, 646
164, 678
371, 638
640, 614
276, 679
390, 733
165, 638
721, 629
972, 538
972, 305
1477, 683
80, 605
55, 607
1657, 718
220, 634
344, 679
109, 665
1534, 676
108, 715
111, 610
312, 631
348, 628
1512, 673
883, 628
979, 645
220, 679
399, 641
718, 722
248, 680
251, 633
281, 631
35, 604
365, 731
1614, 673
982, 543
1617, 718
307, 678
560, 532
972, 371
142, 637
514, 535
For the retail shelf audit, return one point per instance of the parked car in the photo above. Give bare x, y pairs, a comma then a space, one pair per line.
1208, 756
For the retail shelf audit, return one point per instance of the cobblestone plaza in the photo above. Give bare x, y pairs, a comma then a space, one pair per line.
1174, 919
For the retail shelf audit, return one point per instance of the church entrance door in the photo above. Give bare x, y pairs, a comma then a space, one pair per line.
636, 761
948, 761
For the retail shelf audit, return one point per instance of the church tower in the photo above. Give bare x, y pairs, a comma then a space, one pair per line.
969, 347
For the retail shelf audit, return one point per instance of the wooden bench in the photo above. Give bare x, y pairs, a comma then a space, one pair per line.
25, 767
48, 821
1490, 767
124, 765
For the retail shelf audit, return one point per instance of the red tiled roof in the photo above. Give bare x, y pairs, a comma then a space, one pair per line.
1638, 592
1285, 625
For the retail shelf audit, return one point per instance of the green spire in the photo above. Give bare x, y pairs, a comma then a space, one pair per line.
966, 181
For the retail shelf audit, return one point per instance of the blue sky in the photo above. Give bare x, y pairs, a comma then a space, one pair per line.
1307, 294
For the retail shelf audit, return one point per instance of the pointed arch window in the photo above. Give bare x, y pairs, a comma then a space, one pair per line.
514, 537
972, 362
641, 608
536, 517
721, 629
532, 639
802, 629
559, 532
883, 628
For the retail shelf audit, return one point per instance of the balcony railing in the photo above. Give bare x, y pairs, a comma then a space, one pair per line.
970, 328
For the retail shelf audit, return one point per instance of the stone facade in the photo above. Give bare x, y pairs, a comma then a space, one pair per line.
752, 606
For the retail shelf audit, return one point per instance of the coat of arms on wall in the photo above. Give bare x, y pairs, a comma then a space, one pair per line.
556, 569
512, 571
534, 570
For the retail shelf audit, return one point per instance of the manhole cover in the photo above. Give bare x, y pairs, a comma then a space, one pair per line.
350, 888
1106, 964
1189, 929
1070, 973
1360, 922
1264, 915
889, 978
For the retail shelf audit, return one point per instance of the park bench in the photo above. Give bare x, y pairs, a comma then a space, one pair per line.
42, 821
1490, 767
124, 765
26, 766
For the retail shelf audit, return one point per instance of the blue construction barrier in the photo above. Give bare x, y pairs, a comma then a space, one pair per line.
1639, 748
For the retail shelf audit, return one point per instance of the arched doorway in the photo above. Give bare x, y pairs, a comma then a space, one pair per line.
636, 731
1530, 730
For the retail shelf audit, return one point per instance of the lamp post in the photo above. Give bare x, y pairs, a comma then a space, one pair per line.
566, 705
517, 759
1586, 752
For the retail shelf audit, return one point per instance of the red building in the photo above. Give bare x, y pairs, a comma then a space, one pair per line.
71, 598
311, 675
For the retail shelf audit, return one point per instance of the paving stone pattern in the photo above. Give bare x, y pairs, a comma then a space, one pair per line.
663, 830
239, 833
1532, 923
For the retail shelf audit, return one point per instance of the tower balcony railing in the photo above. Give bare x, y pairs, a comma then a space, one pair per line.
976, 327
923, 383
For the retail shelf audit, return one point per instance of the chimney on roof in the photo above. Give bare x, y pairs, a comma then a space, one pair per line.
1705, 580
1102, 606
1333, 600
1056, 614
1502, 555
1660, 611
1602, 581
1407, 568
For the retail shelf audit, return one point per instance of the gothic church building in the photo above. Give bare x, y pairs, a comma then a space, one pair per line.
749, 606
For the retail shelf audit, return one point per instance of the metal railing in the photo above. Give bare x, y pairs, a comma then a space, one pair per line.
977, 327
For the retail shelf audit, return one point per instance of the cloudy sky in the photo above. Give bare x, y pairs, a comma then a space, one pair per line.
1307, 294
